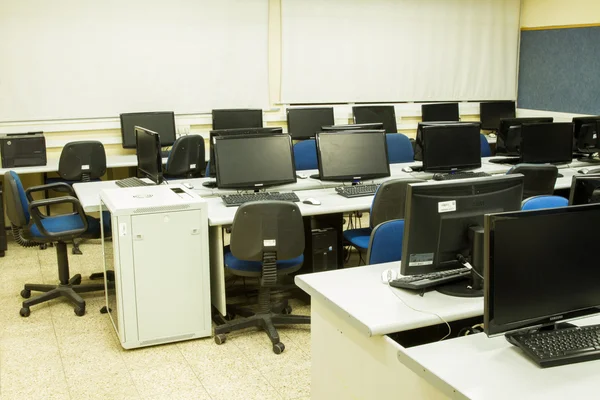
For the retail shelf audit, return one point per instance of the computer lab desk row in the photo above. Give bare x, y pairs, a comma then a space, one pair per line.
355, 318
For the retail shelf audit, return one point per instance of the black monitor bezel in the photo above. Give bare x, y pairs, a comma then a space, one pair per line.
353, 127
427, 160
568, 153
576, 184
158, 177
307, 110
578, 123
418, 138
125, 143
486, 107
236, 110
376, 110
429, 108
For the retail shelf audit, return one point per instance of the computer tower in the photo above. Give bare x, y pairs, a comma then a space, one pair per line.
23, 150
324, 249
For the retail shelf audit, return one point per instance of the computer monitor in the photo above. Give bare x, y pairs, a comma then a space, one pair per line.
509, 134
304, 123
232, 132
548, 142
490, 113
541, 268
352, 127
419, 139
149, 160
586, 134
161, 122
369, 114
585, 189
237, 118
451, 147
439, 112
352, 156
445, 219
254, 161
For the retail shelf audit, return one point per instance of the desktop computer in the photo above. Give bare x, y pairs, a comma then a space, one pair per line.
162, 122
419, 137
439, 112
23, 150
585, 189
509, 134
324, 249
546, 142
491, 112
370, 114
450, 147
304, 123
149, 160
586, 132
237, 118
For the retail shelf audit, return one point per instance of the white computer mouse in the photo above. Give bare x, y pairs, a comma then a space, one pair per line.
407, 169
492, 135
312, 201
188, 185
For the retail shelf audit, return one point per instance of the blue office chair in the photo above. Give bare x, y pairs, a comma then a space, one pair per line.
30, 227
267, 241
400, 149
385, 244
539, 179
186, 158
305, 155
486, 151
537, 202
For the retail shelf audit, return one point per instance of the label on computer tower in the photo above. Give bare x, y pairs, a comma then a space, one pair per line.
420, 259
446, 206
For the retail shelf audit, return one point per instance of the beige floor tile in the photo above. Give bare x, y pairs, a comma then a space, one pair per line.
164, 379
153, 357
195, 393
110, 384
40, 379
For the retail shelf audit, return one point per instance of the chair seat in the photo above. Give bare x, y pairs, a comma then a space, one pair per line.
63, 223
358, 237
236, 264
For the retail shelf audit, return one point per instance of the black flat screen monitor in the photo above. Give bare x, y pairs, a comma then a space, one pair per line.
352, 156
419, 139
550, 142
541, 267
585, 189
439, 112
304, 123
445, 219
490, 113
451, 147
161, 122
509, 134
149, 159
585, 133
254, 161
352, 127
233, 132
237, 118
369, 114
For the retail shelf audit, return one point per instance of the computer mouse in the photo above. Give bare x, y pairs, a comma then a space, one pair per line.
583, 171
312, 201
407, 169
492, 135
188, 185
302, 176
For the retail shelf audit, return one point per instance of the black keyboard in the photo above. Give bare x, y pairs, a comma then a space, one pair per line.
356, 190
234, 200
561, 346
425, 281
459, 175
131, 182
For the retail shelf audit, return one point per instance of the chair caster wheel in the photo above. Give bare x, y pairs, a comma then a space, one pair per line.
25, 293
43, 246
220, 339
76, 251
287, 310
278, 348
2, 253
25, 311
76, 280
104, 310
79, 311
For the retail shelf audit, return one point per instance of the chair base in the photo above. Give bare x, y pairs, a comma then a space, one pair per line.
69, 291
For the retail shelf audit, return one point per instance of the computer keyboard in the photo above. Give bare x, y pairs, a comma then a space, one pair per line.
356, 190
234, 200
506, 160
459, 175
432, 279
131, 182
561, 346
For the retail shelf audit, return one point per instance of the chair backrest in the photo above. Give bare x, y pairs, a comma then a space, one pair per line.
385, 244
186, 158
17, 206
267, 226
539, 178
305, 155
399, 147
82, 161
486, 151
389, 200
537, 202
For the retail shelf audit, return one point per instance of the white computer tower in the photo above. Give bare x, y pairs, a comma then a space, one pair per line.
159, 254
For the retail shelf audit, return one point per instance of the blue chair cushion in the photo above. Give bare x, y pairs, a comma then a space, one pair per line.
256, 266
358, 237
549, 201
62, 223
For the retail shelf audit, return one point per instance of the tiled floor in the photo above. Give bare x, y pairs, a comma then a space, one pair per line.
54, 354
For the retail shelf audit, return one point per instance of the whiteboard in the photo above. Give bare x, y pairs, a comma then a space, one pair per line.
70, 59
399, 50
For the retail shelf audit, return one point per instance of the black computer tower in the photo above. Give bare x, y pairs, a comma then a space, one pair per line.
324, 249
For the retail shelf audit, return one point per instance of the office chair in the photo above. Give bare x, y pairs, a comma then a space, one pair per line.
545, 201
305, 155
31, 227
186, 158
486, 150
399, 147
267, 241
539, 178
385, 244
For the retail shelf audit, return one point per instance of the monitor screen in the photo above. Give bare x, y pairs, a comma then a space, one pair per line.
352, 127
148, 154
254, 161
439, 112
161, 122
369, 114
541, 266
237, 118
419, 139
585, 133
585, 189
490, 113
350, 156
451, 147
304, 123
550, 142
509, 134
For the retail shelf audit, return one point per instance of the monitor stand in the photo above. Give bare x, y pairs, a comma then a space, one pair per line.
472, 287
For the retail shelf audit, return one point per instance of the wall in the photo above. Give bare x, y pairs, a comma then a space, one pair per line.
545, 13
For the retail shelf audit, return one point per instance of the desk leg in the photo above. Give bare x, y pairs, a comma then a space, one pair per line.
217, 269
3, 244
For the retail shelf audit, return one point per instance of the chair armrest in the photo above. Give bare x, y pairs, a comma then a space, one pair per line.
37, 217
64, 187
